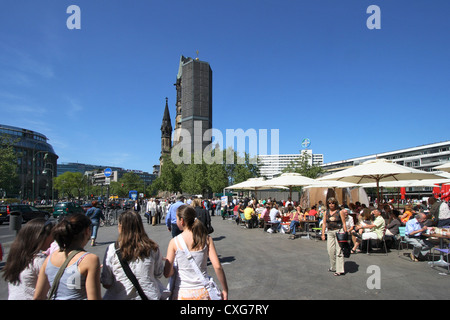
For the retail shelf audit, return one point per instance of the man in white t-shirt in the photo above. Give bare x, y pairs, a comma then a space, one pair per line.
274, 214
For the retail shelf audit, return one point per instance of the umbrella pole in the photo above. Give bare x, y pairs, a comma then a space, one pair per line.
378, 193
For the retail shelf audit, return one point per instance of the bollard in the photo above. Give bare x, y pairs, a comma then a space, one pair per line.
15, 221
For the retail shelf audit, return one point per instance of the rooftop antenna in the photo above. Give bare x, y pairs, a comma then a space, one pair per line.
197, 55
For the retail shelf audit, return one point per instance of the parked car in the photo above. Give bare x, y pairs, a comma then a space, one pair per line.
66, 208
28, 212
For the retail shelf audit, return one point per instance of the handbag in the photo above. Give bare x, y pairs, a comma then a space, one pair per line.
210, 285
130, 274
342, 238
58, 276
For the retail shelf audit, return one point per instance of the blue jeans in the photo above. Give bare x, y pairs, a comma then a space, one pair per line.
175, 230
276, 225
95, 225
293, 226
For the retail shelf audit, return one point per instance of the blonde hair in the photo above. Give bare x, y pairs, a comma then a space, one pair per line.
197, 202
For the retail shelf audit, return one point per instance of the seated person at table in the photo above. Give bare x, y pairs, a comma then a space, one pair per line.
259, 213
376, 230
274, 215
413, 232
294, 218
313, 212
364, 218
250, 216
407, 214
348, 221
393, 223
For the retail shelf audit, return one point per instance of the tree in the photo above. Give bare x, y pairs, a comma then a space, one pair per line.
8, 166
131, 181
170, 177
240, 168
70, 184
216, 177
194, 179
303, 167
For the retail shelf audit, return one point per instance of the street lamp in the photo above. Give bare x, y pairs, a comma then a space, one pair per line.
53, 190
34, 170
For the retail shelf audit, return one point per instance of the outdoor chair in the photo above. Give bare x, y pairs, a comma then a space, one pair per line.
267, 223
402, 241
243, 220
443, 251
377, 241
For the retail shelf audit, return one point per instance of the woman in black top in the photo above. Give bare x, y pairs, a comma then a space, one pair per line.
334, 222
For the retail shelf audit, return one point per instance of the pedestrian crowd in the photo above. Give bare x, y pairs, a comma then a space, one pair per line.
49, 260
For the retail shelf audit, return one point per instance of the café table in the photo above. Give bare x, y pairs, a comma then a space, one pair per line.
441, 262
306, 226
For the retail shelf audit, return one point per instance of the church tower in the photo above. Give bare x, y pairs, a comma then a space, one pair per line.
166, 133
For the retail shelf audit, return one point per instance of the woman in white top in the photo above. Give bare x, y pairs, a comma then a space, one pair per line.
142, 255
26, 257
187, 285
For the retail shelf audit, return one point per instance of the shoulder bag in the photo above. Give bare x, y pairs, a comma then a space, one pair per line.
130, 274
210, 285
58, 276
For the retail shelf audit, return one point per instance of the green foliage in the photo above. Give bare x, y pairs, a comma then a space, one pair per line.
204, 176
70, 184
8, 165
303, 167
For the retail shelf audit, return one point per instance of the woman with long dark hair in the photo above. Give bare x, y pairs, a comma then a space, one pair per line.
188, 285
26, 258
140, 253
80, 279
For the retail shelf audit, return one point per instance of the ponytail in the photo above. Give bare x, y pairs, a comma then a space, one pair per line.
70, 230
199, 231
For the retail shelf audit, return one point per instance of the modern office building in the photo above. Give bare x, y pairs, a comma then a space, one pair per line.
272, 165
96, 172
37, 162
424, 157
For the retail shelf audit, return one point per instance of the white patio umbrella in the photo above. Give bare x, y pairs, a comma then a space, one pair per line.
332, 184
253, 184
377, 171
290, 180
405, 183
443, 167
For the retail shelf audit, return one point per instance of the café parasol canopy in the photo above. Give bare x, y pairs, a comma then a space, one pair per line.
253, 184
379, 170
443, 167
290, 180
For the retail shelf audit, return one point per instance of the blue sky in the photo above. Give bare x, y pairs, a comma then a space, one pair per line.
310, 68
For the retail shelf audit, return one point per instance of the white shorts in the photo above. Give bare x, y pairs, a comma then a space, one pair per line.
369, 235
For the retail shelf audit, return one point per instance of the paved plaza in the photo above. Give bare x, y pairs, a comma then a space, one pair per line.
264, 266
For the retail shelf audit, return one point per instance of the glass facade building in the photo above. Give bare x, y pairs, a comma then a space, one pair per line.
34, 155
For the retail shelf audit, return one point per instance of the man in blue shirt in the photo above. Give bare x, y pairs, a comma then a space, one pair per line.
171, 217
413, 231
